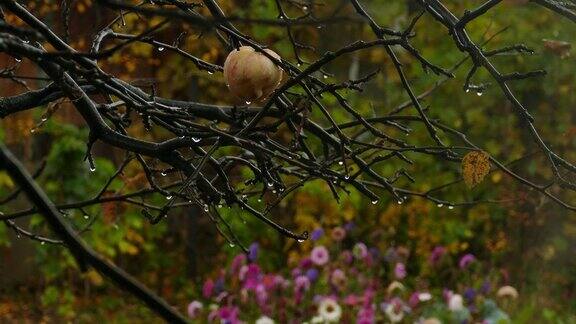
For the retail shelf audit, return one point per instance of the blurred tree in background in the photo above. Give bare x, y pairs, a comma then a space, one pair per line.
170, 233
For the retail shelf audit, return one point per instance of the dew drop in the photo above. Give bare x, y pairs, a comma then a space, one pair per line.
305, 8
163, 173
301, 240
244, 196
86, 216
42, 243
347, 177
259, 199
232, 245
115, 226
44, 119
298, 65
17, 59
281, 189
440, 205
210, 72
205, 208
160, 49
219, 205
467, 90
274, 191
341, 163
196, 139
92, 168
270, 184
248, 102
33, 130
26, 41
479, 93
450, 207
325, 76
18, 235
374, 202
400, 202
168, 197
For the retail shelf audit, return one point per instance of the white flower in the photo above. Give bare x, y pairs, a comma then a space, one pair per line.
264, 320
394, 316
507, 291
317, 319
424, 296
329, 310
455, 303
395, 285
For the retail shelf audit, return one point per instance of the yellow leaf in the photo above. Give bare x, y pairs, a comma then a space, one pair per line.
94, 277
5, 180
475, 166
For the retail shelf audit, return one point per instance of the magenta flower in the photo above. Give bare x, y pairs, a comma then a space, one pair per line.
237, 262
319, 256
261, 294
400, 270
437, 253
194, 309
251, 276
366, 315
208, 288
466, 260
352, 300
360, 251
229, 314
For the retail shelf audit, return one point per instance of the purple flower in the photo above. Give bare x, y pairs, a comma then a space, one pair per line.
253, 252
400, 270
437, 253
469, 294
219, 286
194, 308
312, 274
208, 288
320, 255
349, 226
486, 287
316, 234
466, 260
414, 299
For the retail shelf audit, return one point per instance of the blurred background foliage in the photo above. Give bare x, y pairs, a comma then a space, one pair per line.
527, 239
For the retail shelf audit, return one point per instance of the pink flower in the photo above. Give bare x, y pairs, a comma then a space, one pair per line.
194, 309
320, 255
302, 283
261, 294
208, 288
338, 234
360, 251
338, 278
400, 270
